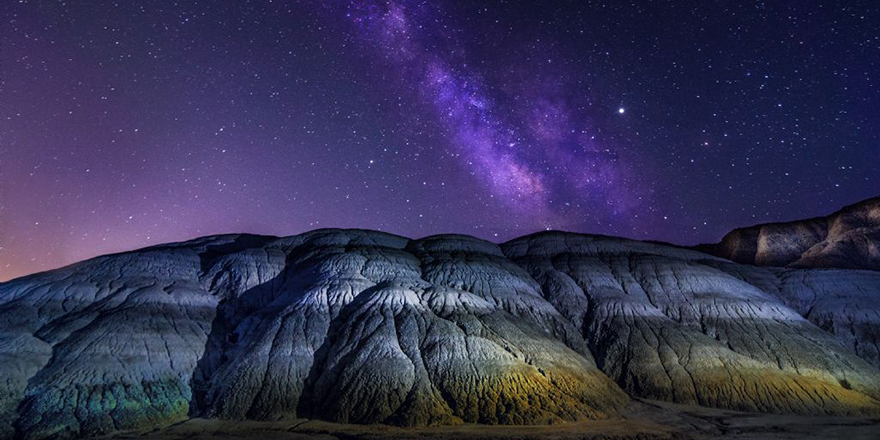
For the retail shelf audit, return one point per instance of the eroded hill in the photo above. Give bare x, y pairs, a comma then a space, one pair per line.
365, 327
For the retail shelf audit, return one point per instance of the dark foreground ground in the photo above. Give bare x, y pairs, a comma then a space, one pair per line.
642, 420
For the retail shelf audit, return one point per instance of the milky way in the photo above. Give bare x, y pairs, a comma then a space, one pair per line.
525, 154
123, 125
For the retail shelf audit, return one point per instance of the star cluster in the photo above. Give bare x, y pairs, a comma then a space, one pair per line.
129, 124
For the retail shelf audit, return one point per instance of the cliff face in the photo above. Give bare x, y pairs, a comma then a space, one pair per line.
849, 239
366, 327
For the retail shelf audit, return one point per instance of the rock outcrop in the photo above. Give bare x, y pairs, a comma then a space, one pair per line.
366, 327
847, 239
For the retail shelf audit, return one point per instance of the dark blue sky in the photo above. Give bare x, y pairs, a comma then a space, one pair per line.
123, 126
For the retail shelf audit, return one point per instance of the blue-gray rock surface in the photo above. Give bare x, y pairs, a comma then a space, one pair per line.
366, 327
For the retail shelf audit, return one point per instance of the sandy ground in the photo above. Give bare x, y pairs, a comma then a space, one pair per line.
642, 420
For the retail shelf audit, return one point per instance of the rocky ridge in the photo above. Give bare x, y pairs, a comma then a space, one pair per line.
847, 239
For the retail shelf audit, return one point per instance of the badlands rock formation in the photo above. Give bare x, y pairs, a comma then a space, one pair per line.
672, 324
849, 239
366, 327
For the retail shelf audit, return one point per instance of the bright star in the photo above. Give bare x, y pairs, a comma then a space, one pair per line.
621, 110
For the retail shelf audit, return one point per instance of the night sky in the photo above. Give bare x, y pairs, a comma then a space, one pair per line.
125, 124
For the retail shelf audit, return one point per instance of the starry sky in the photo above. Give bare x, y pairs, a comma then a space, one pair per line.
126, 124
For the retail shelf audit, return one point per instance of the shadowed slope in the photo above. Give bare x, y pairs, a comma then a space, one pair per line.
106, 343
